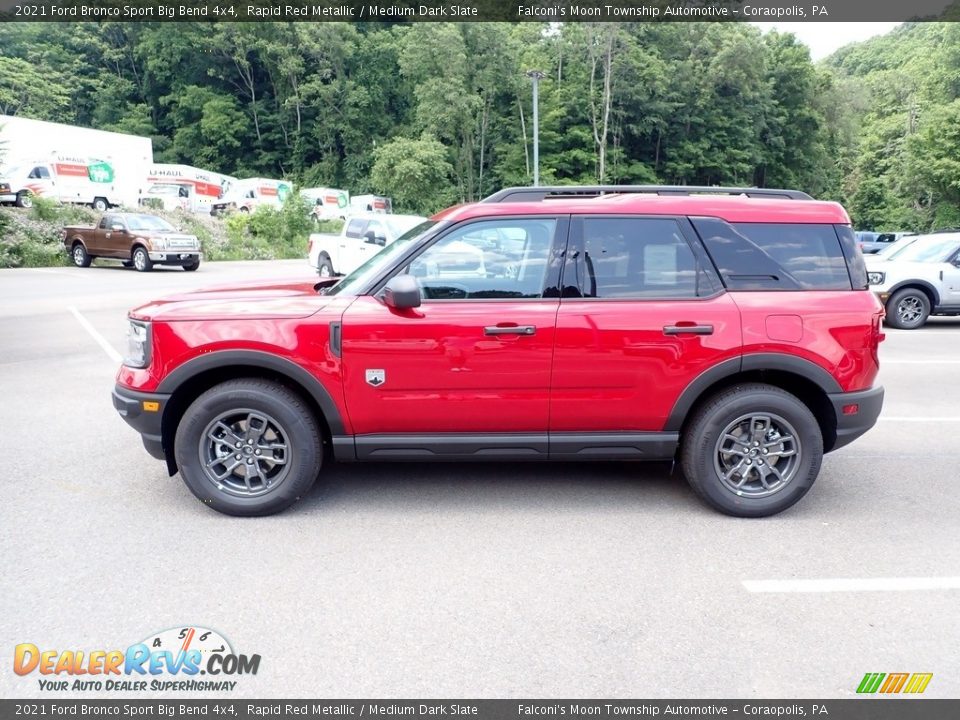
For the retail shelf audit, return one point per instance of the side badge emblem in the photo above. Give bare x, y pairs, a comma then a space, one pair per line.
376, 377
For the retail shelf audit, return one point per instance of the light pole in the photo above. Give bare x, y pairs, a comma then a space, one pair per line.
536, 76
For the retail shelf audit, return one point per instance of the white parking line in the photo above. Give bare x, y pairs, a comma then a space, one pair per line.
51, 271
891, 418
852, 585
919, 362
92, 331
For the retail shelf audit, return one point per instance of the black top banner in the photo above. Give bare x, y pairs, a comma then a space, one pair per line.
478, 10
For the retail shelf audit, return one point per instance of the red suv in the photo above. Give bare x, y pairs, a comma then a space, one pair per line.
731, 329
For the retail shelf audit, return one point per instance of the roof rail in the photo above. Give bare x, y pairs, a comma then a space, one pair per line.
534, 194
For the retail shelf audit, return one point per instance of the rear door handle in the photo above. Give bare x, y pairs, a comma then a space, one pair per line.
688, 329
510, 330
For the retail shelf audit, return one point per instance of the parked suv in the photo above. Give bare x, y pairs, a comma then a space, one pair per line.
921, 280
730, 329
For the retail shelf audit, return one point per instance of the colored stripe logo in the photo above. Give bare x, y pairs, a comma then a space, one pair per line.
894, 683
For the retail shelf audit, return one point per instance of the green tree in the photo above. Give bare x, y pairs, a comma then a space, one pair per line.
415, 173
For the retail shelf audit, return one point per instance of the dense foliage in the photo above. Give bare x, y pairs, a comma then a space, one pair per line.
438, 113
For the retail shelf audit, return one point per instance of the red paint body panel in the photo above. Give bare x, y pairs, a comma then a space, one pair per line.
616, 370
302, 339
840, 330
443, 374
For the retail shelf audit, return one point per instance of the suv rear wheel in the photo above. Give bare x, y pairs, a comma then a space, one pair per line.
248, 447
908, 309
752, 450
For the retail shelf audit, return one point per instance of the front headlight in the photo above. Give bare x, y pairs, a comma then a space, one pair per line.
876, 278
138, 344
158, 243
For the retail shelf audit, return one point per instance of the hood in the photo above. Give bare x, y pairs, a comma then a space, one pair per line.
277, 299
901, 268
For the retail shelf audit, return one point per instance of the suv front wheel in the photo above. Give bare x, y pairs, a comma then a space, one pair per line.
249, 447
908, 309
752, 450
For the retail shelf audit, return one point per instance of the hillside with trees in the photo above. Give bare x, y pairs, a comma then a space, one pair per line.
434, 114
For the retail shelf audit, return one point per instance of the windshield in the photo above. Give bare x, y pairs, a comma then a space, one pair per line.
165, 189
894, 249
148, 222
399, 224
366, 272
931, 249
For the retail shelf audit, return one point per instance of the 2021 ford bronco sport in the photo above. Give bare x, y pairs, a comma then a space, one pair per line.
731, 329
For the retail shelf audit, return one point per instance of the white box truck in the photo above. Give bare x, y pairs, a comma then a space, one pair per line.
71, 164
327, 203
371, 203
186, 187
249, 194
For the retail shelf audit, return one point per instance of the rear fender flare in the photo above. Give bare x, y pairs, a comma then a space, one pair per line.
747, 363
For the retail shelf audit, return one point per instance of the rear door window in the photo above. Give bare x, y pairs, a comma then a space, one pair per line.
631, 257
775, 256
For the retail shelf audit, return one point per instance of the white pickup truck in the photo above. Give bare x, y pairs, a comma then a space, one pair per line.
362, 237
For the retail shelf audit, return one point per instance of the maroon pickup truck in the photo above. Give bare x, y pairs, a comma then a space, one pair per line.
139, 240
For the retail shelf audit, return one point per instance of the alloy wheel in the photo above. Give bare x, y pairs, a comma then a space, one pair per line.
757, 455
245, 453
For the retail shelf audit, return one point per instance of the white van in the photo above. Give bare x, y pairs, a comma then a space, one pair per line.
327, 203
371, 203
247, 195
64, 178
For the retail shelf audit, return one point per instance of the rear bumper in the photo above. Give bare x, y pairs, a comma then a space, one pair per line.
143, 412
852, 425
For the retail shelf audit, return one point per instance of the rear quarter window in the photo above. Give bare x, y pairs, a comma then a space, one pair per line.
775, 256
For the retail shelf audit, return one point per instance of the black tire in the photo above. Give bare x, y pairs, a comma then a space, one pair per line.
141, 259
908, 309
295, 427
24, 199
100, 204
81, 258
324, 267
707, 451
192, 266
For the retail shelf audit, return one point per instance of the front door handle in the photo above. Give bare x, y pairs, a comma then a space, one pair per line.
510, 330
690, 329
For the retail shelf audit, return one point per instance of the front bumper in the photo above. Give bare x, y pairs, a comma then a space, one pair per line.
173, 257
8, 197
851, 425
144, 413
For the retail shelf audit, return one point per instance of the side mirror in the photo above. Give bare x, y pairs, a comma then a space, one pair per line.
402, 292
118, 228
374, 239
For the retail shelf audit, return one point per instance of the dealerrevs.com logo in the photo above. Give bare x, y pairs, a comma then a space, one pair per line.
171, 660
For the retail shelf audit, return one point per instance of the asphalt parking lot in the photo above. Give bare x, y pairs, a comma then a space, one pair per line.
565, 580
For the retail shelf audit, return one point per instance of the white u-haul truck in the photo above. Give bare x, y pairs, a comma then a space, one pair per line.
185, 187
249, 194
71, 164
